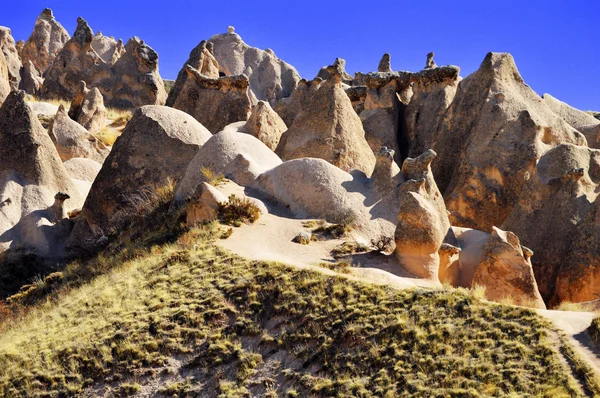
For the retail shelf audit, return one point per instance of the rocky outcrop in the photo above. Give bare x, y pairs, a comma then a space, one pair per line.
583, 122
31, 80
87, 108
47, 39
505, 271
31, 174
133, 80
214, 102
423, 223
153, 151
237, 156
433, 92
328, 128
74, 141
265, 124
339, 65
13, 61
201, 59
497, 128
109, 49
270, 77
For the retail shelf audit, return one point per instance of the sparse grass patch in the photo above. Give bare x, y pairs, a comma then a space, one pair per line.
238, 211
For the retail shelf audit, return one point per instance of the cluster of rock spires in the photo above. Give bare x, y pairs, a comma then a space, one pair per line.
475, 181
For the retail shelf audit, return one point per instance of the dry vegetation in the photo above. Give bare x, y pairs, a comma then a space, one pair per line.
234, 326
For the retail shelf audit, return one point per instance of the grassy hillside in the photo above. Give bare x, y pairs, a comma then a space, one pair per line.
189, 319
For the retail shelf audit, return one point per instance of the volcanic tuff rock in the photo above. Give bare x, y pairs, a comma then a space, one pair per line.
497, 128
31, 174
505, 271
47, 39
328, 128
583, 122
265, 124
201, 59
153, 151
270, 77
132, 80
73, 141
214, 102
237, 156
7, 46
87, 108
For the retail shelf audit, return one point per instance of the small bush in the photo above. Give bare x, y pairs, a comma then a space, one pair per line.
238, 211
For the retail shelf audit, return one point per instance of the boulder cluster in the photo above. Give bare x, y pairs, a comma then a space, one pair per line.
474, 181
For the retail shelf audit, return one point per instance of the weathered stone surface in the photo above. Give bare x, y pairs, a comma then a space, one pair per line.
13, 61
550, 212
153, 151
265, 124
328, 128
214, 102
583, 122
31, 174
433, 92
109, 49
505, 271
237, 156
47, 39
201, 59
73, 141
203, 206
270, 77
133, 80
31, 80
87, 108
339, 65
497, 128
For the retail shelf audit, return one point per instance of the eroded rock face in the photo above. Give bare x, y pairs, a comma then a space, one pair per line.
47, 39
153, 151
201, 59
31, 174
73, 141
87, 108
549, 215
505, 271
130, 81
214, 102
13, 61
328, 128
583, 122
270, 77
497, 128
265, 124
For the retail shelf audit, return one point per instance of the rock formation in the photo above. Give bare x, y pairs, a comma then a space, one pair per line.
132, 80
153, 151
339, 65
497, 128
237, 156
265, 124
214, 102
109, 49
87, 108
13, 61
270, 77
74, 141
47, 39
201, 59
328, 128
505, 271
31, 174
385, 64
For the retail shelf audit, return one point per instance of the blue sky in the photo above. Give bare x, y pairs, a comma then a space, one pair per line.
555, 43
